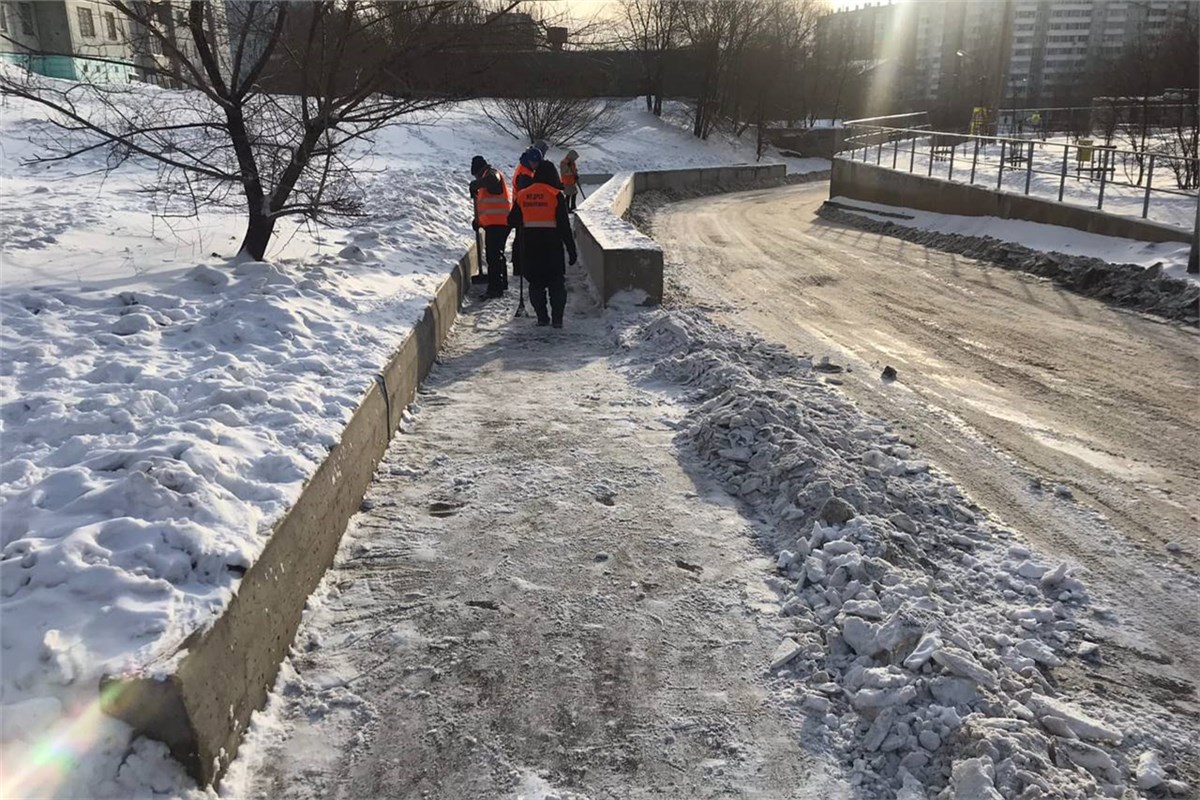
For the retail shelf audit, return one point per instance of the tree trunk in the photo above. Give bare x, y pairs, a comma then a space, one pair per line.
258, 236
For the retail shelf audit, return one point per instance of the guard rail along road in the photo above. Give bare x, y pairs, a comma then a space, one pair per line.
1146, 196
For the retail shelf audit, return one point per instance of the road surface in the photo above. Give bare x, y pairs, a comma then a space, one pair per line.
1012, 385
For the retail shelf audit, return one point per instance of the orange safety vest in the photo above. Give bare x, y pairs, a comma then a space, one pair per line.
569, 172
539, 206
518, 172
492, 209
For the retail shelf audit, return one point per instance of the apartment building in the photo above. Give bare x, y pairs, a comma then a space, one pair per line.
996, 53
89, 40
73, 39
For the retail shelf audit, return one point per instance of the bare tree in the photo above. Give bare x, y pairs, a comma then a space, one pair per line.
653, 28
781, 47
720, 31
227, 141
557, 119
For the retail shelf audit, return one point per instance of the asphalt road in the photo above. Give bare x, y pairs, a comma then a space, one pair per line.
1010, 384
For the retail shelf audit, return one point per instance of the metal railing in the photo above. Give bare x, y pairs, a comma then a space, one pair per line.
1075, 172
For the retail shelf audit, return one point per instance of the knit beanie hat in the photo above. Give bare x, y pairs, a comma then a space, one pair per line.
478, 165
531, 158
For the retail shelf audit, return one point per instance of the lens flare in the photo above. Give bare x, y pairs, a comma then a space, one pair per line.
41, 768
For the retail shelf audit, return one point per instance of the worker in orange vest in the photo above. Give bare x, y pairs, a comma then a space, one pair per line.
489, 193
522, 176
539, 216
568, 170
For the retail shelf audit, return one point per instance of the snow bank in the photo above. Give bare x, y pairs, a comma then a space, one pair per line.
924, 635
161, 408
1039, 236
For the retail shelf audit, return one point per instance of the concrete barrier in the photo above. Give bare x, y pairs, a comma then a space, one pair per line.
881, 185
199, 700
616, 255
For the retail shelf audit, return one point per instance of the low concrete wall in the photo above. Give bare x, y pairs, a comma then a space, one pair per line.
199, 700
881, 185
617, 256
808, 142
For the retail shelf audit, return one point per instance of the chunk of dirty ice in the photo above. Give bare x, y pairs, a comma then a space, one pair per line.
1028, 569
973, 779
866, 699
948, 690
910, 787
1091, 758
860, 635
879, 729
1149, 771
787, 650
923, 651
1039, 652
1084, 726
816, 704
870, 609
962, 663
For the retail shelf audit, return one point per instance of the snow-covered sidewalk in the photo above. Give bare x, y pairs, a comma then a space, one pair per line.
551, 593
538, 601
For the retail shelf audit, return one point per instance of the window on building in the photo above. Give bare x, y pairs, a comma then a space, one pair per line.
3, 18
87, 26
110, 25
25, 12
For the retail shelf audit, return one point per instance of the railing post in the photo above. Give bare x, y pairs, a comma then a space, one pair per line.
912, 156
1000, 172
974, 161
930, 173
878, 152
1062, 179
1149, 180
1103, 176
950, 171
895, 151
1029, 169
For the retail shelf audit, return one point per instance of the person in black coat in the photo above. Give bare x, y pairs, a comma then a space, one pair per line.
491, 200
539, 216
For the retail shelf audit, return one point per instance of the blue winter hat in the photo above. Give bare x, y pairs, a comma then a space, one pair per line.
531, 158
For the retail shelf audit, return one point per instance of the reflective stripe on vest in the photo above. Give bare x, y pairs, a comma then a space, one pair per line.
539, 206
492, 209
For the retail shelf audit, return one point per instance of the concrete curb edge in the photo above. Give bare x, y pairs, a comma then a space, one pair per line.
199, 702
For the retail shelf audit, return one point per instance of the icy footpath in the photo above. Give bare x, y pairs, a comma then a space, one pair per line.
925, 636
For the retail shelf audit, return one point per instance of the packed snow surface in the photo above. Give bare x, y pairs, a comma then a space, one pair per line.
162, 406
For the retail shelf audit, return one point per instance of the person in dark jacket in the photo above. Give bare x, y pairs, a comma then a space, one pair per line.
492, 202
539, 216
